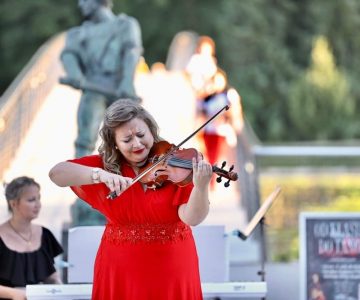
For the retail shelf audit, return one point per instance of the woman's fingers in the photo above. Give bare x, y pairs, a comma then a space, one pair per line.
125, 183
202, 171
118, 184
110, 183
194, 163
117, 187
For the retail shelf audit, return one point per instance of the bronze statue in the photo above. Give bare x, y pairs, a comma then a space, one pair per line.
100, 57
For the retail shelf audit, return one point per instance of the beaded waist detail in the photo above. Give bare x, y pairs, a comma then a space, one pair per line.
148, 233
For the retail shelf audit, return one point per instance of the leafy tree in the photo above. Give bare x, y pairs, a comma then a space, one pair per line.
258, 63
160, 20
345, 41
321, 106
262, 44
25, 26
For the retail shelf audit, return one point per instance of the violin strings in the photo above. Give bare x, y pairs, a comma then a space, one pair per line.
182, 163
178, 162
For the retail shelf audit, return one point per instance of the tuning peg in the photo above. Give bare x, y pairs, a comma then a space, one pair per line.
227, 183
223, 164
219, 179
231, 168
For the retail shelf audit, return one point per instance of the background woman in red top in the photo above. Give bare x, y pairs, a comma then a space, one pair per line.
147, 249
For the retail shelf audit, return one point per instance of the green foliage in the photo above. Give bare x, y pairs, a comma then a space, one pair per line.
325, 192
160, 20
263, 45
25, 26
258, 63
284, 245
321, 92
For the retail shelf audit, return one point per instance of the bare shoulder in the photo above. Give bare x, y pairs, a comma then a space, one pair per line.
4, 229
3, 226
37, 229
36, 226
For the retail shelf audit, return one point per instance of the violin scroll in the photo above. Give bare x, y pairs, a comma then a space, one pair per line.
229, 175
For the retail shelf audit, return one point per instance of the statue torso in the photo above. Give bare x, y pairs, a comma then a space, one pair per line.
100, 45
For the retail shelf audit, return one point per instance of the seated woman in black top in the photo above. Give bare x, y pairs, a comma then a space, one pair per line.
27, 250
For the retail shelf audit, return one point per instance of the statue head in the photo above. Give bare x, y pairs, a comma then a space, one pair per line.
89, 7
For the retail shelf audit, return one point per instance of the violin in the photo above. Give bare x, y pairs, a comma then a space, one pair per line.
168, 162
177, 167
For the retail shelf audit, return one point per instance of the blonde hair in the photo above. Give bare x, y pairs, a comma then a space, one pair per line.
117, 114
15, 188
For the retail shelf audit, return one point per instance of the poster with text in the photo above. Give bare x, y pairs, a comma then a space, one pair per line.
329, 256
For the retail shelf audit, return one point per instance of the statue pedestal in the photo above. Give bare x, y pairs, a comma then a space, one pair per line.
83, 215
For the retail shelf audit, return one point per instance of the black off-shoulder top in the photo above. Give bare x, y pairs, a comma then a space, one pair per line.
17, 269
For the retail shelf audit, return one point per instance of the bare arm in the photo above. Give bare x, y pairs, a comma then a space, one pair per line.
236, 114
197, 208
72, 174
12, 293
54, 278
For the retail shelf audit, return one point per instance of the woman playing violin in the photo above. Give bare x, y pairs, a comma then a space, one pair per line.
147, 250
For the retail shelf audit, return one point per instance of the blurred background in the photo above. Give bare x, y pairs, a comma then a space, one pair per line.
295, 64
293, 59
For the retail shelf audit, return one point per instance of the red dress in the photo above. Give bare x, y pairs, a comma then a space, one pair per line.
146, 252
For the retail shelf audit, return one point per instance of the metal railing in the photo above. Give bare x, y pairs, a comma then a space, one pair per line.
25, 95
308, 151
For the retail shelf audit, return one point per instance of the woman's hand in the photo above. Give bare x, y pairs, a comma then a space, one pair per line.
202, 172
12, 293
196, 209
18, 294
54, 278
115, 183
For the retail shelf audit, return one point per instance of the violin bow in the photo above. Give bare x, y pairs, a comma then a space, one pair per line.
112, 195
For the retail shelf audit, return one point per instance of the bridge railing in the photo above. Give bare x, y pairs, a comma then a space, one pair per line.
307, 151
25, 95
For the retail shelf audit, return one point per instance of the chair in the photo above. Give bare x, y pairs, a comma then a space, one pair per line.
83, 242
